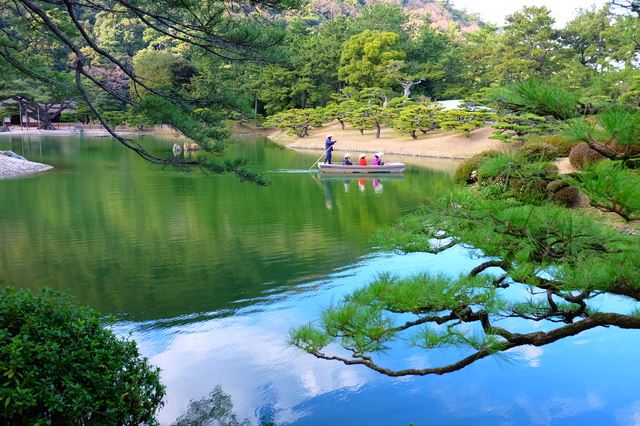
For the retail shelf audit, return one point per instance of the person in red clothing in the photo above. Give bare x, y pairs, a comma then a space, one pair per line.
363, 160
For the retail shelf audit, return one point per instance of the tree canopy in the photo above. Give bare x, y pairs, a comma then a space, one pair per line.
42, 38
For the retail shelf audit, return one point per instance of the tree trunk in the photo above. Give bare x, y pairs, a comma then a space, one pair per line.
407, 85
45, 117
413, 134
341, 123
377, 123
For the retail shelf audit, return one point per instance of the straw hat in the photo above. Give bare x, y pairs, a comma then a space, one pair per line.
363, 155
379, 154
347, 155
329, 135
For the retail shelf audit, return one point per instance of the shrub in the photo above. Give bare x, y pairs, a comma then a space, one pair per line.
60, 365
115, 118
463, 172
517, 177
538, 151
561, 143
568, 196
583, 154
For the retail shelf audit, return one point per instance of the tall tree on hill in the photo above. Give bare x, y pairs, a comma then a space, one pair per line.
530, 45
371, 59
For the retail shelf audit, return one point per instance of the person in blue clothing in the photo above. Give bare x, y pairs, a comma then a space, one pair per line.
347, 160
328, 146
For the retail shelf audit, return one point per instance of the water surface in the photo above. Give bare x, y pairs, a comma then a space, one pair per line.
208, 274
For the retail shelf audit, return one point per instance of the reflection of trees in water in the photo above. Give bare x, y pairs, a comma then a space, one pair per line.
214, 409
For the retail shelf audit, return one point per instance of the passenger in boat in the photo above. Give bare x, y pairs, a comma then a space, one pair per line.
363, 160
377, 159
347, 160
328, 146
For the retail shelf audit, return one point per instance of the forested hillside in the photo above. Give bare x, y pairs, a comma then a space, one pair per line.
441, 13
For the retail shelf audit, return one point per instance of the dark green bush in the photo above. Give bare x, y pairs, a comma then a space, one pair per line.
116, 118
463, 172
538, 151
516, 177
59, 365
561, 143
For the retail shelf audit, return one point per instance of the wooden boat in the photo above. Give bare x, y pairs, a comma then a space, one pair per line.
355, 168
346, 177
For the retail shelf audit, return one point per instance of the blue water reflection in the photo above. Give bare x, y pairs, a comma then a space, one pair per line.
587, 379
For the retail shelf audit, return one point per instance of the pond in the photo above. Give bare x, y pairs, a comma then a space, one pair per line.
208, 275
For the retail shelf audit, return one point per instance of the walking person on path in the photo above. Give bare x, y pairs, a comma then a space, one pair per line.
328, 146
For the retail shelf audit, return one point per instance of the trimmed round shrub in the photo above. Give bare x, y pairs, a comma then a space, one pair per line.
59, 365
464, 170
538, 151
561, 143
567, 196
517, 177
556, 185
583, 154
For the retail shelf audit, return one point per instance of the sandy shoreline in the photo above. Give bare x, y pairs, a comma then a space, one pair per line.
435, 145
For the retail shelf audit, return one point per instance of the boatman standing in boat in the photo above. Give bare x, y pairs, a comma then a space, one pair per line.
328, 146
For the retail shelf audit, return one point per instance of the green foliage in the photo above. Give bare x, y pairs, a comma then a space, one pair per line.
202, 125
516, 177
365, 116
615, 133
371, 59
60, 365
464, 170
116, 118
560, 143
163, 70
538, 151
462, 120
518, 127
557, 260
411, 118
543, 98
298, 121
611, 187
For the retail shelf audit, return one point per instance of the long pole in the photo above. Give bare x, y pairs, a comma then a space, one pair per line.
323, 154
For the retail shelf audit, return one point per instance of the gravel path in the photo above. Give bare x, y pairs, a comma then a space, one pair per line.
12, 167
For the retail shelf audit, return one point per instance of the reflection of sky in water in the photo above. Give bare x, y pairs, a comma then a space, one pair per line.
587, 379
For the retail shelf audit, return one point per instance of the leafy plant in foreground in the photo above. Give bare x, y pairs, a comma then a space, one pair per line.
60, 365
611, 187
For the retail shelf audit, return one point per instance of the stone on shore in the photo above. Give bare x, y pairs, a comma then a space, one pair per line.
12, 167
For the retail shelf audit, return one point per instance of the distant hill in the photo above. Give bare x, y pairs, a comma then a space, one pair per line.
441, 11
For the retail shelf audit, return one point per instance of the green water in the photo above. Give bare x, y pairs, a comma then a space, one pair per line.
209, 274
143, 242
